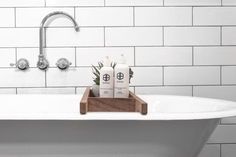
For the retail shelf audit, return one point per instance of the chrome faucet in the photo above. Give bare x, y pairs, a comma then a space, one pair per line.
43, 62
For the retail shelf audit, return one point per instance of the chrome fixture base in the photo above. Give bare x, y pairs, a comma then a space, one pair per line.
21, 64
63, 64
43, 63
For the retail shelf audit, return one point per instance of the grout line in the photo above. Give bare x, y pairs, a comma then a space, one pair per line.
193, 56
104, 3
75, 90
221, 75
163, 36
15, 17
163, 76
74, 12
220, 150
75, 57
221, 35
104, 36
92, 47
45, 78
192, 15
133, 16
127, 26
16, 57
16, 91
192, 90
144, 66
228, 143
147, 86
134, 56
123, 6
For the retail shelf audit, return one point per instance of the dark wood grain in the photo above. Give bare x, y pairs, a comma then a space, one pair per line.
84, 102
89, 103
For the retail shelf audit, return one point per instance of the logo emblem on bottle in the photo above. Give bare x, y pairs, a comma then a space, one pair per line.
106, 77
120, 76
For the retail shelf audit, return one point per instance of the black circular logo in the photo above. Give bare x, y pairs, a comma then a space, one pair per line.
106, 77
120, 76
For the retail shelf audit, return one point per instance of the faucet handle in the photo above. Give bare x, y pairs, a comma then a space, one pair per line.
42, 63
21, 64
63, 63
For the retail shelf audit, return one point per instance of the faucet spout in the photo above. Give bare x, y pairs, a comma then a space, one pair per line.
42, 62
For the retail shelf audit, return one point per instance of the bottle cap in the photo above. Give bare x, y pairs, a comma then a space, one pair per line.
122, 59
107, 62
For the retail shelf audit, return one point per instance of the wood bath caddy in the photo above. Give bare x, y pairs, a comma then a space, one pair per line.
89, 103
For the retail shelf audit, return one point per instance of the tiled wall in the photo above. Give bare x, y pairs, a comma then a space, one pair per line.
182, 47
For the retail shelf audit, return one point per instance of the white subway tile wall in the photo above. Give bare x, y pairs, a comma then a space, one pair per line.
177, 47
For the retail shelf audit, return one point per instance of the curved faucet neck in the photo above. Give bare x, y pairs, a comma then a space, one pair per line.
42, 31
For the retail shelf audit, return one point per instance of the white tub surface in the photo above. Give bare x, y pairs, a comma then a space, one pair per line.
66, 107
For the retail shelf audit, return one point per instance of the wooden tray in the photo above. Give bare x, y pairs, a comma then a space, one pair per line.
89, 103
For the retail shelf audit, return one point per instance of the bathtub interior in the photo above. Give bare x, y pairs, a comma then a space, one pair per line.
184, 104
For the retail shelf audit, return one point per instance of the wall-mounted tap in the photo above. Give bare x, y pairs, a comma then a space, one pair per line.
43, 62
21, 64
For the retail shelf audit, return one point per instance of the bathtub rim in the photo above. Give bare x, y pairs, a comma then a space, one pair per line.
75, 115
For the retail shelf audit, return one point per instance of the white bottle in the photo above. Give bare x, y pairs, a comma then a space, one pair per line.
121, 89
106, 79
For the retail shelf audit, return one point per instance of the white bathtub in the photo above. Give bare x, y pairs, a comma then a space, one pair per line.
50, 125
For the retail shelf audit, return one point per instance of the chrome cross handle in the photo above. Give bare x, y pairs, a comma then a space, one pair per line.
63, 64
21, 64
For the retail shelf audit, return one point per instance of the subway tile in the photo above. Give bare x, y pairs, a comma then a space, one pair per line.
7, 17
165, 90
146, 76
13, 77
134, 2
215, 55
68, 37
54, 54
45, 90
192, 36
229, 75
7, 56
70, 78
214, 16
18, 37
192, 2
133, 36
91, 56
31, 54
228, 150
161, 56
21, 3
217, 92
24, 17
229, 2
7, 91
228, 35
163, 16
75, 2
210, 150
104, 16
192, 75
224, 134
